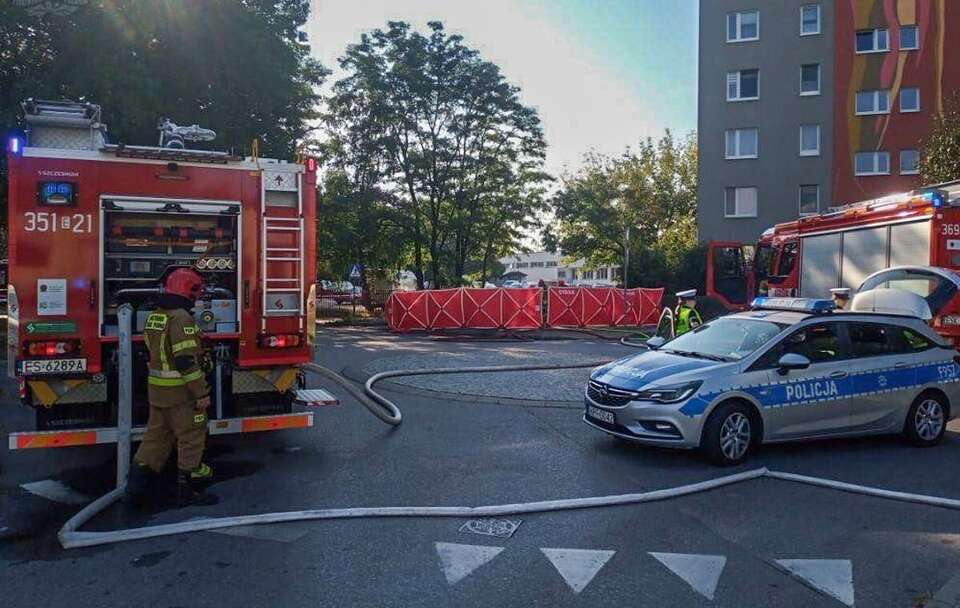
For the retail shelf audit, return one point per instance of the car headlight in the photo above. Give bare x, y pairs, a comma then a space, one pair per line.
669, 394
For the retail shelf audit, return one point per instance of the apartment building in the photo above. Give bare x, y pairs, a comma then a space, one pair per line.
531, 268
805, 105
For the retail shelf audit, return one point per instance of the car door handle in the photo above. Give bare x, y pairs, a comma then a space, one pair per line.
838, 375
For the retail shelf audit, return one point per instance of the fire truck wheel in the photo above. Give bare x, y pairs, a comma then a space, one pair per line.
927, 419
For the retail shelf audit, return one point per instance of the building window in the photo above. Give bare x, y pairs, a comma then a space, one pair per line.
872, 163
743, 26
561, 274
809, 199
743, 85
809, 140
873, 41
810, 20
523, 265
910, 99
909, 38
873, 102
602, 273
551, 264
810, 79
741, 143
587, 275
573, 274
536, 264
909, 162
740, 202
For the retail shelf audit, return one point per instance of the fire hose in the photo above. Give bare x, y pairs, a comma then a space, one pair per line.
70, 535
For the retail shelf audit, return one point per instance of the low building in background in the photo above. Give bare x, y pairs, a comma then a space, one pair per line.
531, 268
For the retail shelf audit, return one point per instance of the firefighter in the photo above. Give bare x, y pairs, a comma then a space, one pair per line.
177, 390
686, 316
841, 297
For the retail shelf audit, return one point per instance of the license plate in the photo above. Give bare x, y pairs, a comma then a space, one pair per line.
38, 367
601, 415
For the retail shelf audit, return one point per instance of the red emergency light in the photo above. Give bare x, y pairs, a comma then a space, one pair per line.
311, 165
280, 340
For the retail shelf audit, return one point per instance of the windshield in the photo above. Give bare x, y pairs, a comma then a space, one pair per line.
726, 339
932, 287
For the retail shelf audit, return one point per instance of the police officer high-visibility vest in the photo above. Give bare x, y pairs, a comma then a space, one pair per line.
178, 364
687, 319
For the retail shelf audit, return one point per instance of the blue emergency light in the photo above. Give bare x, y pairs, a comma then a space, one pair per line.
809, 305
14, 145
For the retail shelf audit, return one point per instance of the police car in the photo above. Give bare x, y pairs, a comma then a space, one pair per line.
789, 369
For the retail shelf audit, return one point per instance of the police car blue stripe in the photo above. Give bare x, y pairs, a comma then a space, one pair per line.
817, 390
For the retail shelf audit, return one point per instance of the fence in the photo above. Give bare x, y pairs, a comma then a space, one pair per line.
343, 305
521, 308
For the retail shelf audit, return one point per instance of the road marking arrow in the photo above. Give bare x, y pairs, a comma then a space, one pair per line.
702, 572
56, 491
831, 576
457, 561
578, 566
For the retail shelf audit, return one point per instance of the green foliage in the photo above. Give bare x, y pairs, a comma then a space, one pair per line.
940, 151
233, 66
455, 158
651, 190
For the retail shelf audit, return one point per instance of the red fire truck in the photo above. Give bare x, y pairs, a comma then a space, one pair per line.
94, 225
809, 256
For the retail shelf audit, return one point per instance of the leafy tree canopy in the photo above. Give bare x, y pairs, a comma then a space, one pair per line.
940, 154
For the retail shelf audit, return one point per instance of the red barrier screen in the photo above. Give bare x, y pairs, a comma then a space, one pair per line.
521, 308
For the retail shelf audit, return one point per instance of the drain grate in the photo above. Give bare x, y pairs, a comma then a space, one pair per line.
500, 528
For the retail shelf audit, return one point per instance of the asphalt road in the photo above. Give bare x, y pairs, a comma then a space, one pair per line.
751, 544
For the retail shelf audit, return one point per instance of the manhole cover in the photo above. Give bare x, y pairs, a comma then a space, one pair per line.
501, 528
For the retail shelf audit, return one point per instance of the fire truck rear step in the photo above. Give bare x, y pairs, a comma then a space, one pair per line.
93, 436
314, 397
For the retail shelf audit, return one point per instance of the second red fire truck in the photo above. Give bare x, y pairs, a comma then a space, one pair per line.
95, 225
809, 256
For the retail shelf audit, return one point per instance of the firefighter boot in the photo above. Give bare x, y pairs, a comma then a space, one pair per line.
141, 487
187, 492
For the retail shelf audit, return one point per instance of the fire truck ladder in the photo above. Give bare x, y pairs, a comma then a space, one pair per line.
278, 255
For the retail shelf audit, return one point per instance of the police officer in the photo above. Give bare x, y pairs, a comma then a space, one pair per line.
177, 390
687, 317
841, 297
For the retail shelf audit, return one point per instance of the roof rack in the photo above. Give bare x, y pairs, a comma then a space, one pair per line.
170, 154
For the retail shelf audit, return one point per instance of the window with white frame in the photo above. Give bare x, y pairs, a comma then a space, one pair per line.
809, 199
743, 26
909, 38
743, 85
810, 79
810, 20
587, 275
873, 102
910, 99
909, 162
741, 143
809, 140
872, 163
873, 41
740, 202
552, 264
602, 273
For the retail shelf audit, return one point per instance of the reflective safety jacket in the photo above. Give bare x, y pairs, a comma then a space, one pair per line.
177, 368
687, 319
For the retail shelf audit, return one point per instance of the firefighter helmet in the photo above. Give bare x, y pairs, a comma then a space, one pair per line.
184, 282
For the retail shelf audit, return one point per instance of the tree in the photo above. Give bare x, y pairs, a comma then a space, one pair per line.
447, 137
940, 151
233, 66
651, 191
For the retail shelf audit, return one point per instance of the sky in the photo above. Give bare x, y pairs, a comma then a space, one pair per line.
602, 74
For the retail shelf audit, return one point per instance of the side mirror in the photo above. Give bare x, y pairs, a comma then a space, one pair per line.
792, 361
656, 342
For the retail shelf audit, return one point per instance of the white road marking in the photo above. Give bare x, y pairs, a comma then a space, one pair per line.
832, 576
578, 566
57, 491
949, 594
702, 572
457, 561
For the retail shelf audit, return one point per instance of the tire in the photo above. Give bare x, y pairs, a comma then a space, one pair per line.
927, 420
730, 434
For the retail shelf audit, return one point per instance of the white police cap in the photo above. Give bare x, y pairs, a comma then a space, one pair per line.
689, 293
841, 292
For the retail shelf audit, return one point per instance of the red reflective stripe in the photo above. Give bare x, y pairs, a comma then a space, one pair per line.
57, 440
272, 423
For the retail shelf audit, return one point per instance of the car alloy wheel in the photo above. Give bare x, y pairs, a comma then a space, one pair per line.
735, 436
928, 420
